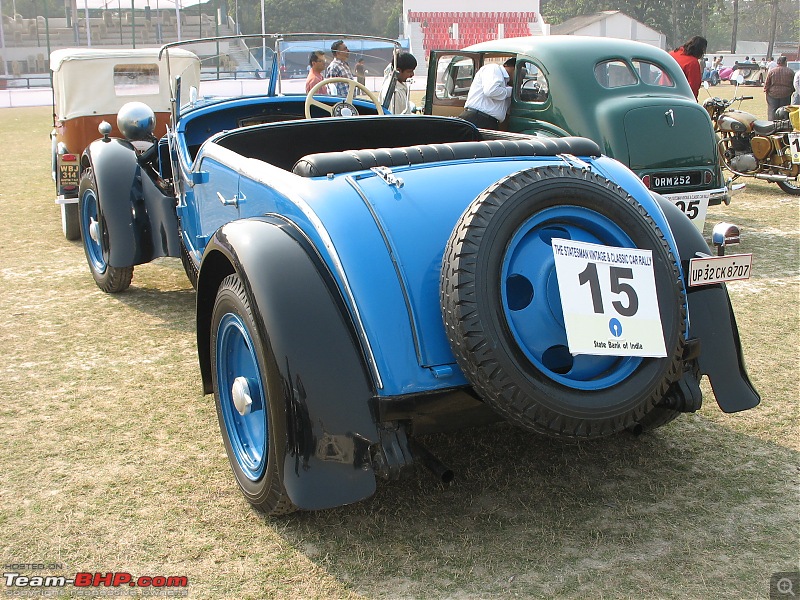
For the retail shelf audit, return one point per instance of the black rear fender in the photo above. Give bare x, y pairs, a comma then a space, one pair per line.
324, 438
711, 320
140, 220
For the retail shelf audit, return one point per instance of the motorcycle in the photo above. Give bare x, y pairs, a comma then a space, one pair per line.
751, 147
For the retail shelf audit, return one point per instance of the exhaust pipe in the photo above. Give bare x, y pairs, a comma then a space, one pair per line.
433, 464
764, 176
774, 178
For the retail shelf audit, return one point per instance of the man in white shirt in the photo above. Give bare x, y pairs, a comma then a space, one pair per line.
490, 94
395, 90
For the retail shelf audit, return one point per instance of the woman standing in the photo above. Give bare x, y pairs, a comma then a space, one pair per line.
688, 57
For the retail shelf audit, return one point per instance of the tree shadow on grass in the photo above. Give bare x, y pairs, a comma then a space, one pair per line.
529, 516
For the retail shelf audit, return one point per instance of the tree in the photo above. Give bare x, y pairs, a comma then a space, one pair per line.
758, 19
704, 18
33, 8
368, 17
677, 34
719, 21
773, 26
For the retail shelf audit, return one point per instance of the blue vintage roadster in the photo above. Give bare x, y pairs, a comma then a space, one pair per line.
363, 280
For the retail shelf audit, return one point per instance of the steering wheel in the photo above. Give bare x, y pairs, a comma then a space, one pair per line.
344, 108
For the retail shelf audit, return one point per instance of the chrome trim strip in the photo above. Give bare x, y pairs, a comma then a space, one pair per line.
393, 256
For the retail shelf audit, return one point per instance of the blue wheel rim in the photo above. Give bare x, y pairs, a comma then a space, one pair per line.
532, 302
237, 363
89, 215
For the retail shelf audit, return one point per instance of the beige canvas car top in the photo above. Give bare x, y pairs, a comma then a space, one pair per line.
88, 81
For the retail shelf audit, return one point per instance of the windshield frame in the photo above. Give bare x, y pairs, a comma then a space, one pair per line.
274, 43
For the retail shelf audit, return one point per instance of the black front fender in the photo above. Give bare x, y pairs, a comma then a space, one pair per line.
140, 220
711, 320
323, 425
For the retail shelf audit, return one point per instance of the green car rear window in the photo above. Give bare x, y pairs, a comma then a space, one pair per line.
618, 73
652, 74
614, 73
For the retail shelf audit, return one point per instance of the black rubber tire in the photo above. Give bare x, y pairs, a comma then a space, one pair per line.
70, 216
660, 416
267, 494
71, 221
790, 187
191, 270
480, 336
110, 279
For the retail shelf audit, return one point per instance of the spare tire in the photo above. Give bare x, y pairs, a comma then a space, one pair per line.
502, 306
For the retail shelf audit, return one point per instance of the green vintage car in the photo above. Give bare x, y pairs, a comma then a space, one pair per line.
629, 97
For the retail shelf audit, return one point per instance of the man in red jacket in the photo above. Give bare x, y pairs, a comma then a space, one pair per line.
688, 57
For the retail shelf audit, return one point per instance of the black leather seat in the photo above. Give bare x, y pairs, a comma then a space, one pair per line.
282, 144
770, 127
323, 163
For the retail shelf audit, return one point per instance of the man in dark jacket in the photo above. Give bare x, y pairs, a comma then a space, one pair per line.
778, 87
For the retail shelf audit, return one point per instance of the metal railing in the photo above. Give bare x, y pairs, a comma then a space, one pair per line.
20, 82
8, 82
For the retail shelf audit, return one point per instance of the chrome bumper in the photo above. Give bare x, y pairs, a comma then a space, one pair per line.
723, 194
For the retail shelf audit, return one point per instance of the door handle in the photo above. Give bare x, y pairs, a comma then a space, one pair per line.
235, 201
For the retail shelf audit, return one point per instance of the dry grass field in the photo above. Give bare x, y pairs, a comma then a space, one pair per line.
111, 459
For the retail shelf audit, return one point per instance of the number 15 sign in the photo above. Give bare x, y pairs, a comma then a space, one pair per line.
609, 299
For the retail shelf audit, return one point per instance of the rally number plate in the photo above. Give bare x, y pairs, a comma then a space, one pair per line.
609, 300
794, 146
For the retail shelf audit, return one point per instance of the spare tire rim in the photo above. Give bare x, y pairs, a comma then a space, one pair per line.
531, 298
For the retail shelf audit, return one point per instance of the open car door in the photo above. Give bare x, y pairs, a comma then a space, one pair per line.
450, 74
